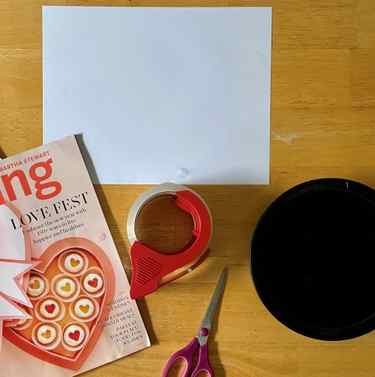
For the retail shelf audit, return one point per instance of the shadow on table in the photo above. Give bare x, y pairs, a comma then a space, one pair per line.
87, 158
2, 154
216, 364
213, 349
143, 308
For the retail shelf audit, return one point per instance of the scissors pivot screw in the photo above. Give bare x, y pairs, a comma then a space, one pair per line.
204, 332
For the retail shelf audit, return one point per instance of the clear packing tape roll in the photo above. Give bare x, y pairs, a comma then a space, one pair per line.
151, 268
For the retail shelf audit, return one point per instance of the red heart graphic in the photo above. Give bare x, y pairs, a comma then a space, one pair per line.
50, 308
74, 335
93, 282
49, 269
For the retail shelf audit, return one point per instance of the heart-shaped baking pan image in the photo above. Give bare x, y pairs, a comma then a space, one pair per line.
71, 290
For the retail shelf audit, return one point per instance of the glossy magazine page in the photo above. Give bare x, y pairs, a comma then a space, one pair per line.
81, 315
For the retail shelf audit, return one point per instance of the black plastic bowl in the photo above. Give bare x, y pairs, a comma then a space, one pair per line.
313, 259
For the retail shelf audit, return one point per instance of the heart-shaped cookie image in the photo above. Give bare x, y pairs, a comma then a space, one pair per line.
67, 287
67, 319
74, 335
74, 262
84, 308
93, 282
50, 308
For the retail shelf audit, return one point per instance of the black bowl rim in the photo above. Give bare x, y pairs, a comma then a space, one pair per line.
330, 334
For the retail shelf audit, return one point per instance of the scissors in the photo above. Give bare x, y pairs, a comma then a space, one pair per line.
198, 346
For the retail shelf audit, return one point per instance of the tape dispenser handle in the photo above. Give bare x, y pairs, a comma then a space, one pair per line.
149, 265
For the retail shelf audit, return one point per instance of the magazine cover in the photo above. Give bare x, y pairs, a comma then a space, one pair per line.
64, 295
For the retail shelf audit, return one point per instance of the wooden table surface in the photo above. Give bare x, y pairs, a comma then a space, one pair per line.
323, 110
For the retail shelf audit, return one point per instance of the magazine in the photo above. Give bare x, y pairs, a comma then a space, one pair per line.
80, 315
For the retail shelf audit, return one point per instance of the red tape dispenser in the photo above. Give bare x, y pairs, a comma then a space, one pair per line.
152, 268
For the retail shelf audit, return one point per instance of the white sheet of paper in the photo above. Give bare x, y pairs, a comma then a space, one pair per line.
9, 286
161, 94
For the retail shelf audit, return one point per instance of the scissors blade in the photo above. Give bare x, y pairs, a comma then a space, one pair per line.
215, 300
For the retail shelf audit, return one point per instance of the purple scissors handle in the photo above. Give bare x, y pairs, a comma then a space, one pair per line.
198, 346
187, 355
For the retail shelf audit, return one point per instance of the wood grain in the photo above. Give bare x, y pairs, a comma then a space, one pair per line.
323, 111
